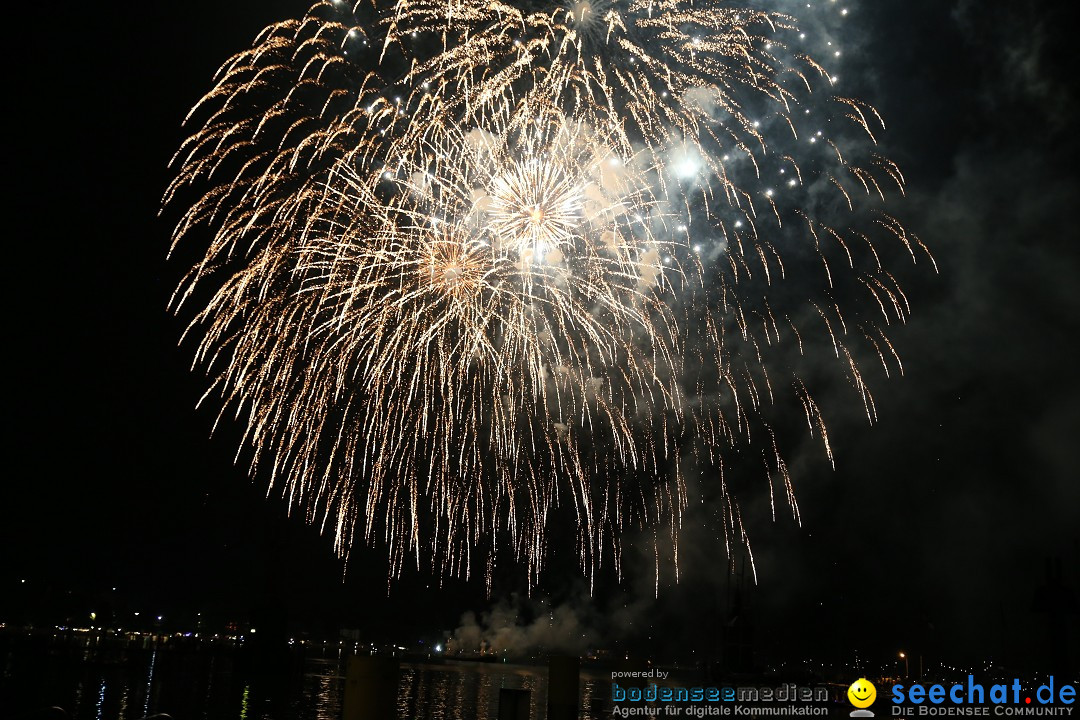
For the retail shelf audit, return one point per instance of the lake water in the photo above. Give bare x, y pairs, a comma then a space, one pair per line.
130, 684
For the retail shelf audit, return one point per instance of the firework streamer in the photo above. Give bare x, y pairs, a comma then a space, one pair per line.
474, 270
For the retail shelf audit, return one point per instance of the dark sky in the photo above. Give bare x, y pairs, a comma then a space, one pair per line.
932, 531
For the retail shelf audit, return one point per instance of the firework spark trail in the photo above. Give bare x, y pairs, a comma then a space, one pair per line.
650, 71
471, 264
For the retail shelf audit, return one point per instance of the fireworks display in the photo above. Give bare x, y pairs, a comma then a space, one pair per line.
479, 276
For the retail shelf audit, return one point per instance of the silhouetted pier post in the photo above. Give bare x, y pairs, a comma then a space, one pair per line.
563, 683
514, 704
371, 688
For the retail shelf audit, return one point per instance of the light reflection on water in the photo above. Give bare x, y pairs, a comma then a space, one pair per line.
465, 691
215, 687
150, 682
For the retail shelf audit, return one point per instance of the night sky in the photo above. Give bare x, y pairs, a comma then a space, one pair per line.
932, 532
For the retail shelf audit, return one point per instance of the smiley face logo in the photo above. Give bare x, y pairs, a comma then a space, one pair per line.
862, 693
